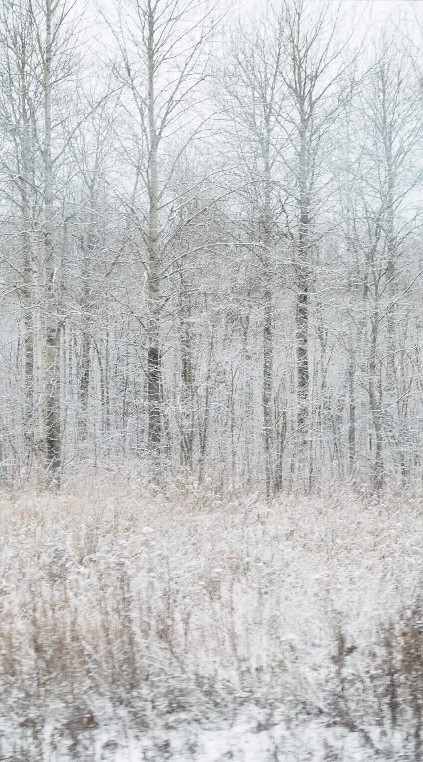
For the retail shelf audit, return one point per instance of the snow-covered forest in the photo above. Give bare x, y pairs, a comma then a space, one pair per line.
211, 243
211, 450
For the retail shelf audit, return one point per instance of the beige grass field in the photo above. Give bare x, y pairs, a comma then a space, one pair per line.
134, 617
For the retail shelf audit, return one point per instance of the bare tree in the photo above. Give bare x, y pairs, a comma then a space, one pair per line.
391, 131
161, 47
311, 68
253, 100
37, 41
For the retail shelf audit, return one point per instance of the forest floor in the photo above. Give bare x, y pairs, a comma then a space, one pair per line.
139, 623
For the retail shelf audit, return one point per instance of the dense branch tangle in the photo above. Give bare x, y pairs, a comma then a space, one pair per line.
211, 247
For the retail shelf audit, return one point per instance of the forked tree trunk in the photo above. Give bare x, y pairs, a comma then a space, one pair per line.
28, 239
51, 364
187, 428
268, 418
391, 420
28, 350
302, 297
351, 413
268, 412
302, 359
86, 342
29, 323
154, 358
375, 399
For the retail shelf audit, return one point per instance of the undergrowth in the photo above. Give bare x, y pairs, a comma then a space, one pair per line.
128, 611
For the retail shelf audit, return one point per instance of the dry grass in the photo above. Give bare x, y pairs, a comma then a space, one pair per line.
182, 606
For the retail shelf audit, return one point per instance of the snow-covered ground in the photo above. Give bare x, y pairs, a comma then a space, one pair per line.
245, 741
143, 625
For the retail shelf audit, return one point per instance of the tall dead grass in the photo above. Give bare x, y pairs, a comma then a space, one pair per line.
125, 603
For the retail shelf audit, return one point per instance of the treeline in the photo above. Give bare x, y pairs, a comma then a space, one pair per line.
211, 248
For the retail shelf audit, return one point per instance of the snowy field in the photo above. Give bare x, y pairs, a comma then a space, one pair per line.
140, 625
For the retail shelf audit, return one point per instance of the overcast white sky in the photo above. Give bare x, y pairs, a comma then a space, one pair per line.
377, 10
364, 18
380, 11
